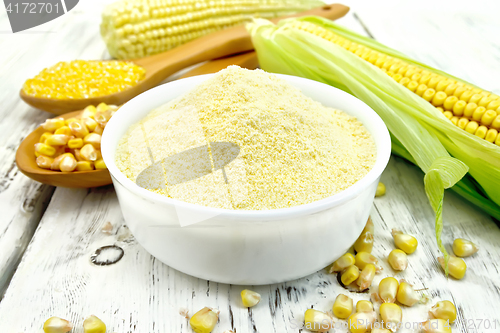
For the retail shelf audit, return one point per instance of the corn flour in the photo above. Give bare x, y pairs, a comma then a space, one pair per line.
292, 150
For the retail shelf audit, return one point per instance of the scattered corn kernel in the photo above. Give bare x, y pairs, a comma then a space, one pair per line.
99, 164
94, 325
90, 123
78, 129
250, 298
392, 315
342, 307
343, 262
204, 321
75, 143
365, 258
84, 166
93, 139
444, 310
388, 289
369, 227
366, 277
63, 130
44, 137
404, 242
456, 267
317, 321
380, 190
69, 121
364, 243
84, 79
364, 306
407, 295
398, 260
464, 248
88, 152
349, 275
57, 325
89, 111
361, 322
44, 149
436, 326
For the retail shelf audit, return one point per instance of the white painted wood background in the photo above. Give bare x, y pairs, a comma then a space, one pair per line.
140, 294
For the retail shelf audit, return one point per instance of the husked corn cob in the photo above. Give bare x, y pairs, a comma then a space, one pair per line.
134, 29
472, 109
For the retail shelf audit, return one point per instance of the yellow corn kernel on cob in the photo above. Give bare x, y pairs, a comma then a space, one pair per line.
134, 29
449, 96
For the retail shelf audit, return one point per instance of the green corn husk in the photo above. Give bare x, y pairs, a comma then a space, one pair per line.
420, 133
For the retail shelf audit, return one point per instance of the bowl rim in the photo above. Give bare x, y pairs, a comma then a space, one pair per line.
382, 142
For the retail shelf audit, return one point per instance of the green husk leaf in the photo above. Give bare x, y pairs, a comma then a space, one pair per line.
284, 49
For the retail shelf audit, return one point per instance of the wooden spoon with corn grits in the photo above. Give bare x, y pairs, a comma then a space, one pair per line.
160, 66
25, 155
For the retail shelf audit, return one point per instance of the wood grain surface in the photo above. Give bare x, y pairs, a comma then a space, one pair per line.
140, 294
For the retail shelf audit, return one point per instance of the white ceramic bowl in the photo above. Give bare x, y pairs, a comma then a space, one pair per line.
246, 247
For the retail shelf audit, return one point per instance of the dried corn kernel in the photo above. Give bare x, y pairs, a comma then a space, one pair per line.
365, 258
250, 298
52, 124
407, 295
388, 289
392, 315
90, 123
84, 166
94, 325
349, 275
436, 326
445, 310
88, 152
364, 306
456, 267
364, 243
342, 307
404, 242
75, 143
380, 330
93, 139
44, 149
63, 130
369, 226
343, 262
317, 321
361, 322
68, 163
204, 321
398, 260
57, 325
89, 111
44, 162
84, 79
69, 121
380, 190
78, 129
57, 140
57, 162
366, 276
464, 248
100, 165
44, 137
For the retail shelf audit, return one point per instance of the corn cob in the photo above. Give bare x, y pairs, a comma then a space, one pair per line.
472, 109
134, 29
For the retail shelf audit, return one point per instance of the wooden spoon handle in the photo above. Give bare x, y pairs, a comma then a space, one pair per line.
216, 45
245, 60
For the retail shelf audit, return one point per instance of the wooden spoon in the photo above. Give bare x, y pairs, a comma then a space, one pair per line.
160, 66
25, 155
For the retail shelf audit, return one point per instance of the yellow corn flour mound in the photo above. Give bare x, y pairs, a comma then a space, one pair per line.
293, 150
